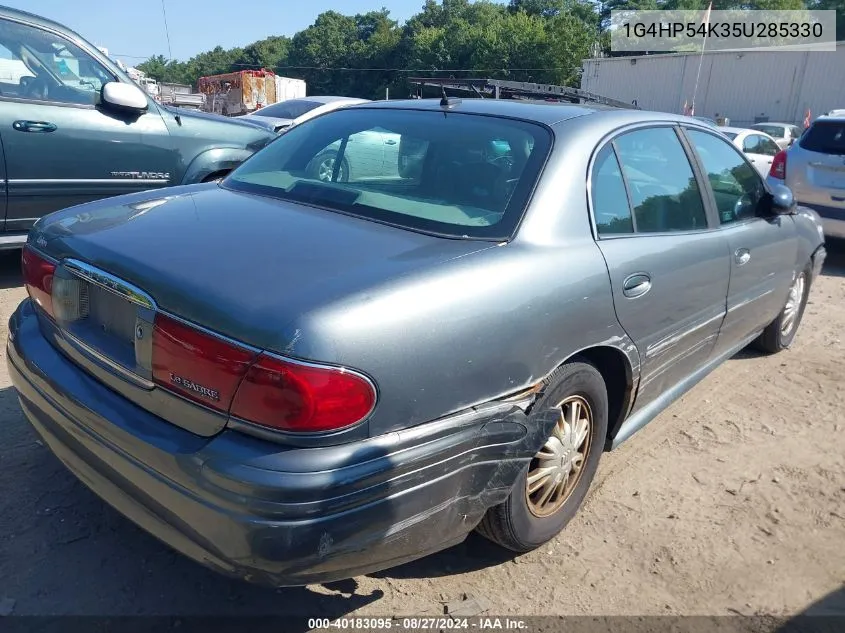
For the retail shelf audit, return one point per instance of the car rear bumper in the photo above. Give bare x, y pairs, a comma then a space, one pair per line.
262, 511
833, 219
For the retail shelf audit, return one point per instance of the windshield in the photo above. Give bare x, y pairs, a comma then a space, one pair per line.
291, 109
825, 137
451, 174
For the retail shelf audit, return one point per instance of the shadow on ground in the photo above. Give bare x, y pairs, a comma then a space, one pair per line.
824, 616
834, 265
64, 551
10, 269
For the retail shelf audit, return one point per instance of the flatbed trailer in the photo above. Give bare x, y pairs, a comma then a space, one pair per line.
502, 89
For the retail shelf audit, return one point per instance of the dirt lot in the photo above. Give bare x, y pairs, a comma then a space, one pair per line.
733, 501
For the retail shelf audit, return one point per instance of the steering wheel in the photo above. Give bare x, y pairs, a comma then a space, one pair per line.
37, 88
505, 160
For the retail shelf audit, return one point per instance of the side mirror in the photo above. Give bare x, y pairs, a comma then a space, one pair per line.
783, 202
117, 95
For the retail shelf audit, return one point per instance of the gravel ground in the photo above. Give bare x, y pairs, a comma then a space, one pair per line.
732, 501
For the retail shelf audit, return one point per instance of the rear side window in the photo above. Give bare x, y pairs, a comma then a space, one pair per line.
610, 202
825, 137
776, 131
290, 109
663, 190
736, 186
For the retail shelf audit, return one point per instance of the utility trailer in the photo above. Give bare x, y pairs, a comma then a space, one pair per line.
181, 96
245, 91
501, 89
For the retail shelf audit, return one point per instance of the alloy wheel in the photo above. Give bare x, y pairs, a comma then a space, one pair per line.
793, 305
556, 468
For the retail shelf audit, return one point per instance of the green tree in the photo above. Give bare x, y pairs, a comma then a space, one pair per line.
267, 53
362, 55
834, 5
320, 49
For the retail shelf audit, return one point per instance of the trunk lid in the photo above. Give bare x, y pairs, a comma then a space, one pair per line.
237, 264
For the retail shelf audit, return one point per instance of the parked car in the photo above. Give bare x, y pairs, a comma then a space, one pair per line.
784, 134
758, 146
707, 121
814, 169
368, 154
316, 379
285, 114
75, 128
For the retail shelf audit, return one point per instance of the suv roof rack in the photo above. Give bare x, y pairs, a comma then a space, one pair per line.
501, 89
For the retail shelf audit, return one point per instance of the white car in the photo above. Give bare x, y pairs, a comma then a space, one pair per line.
285, 114
759, 147
784, 134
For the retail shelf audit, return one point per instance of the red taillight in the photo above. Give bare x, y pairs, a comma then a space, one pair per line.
38, 278
778, 169
300, 398
199, 366
279, 394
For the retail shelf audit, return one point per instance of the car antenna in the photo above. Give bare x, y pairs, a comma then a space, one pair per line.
447, 102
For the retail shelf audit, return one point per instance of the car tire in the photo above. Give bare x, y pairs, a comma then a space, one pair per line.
521, 523
322, 162
780, 333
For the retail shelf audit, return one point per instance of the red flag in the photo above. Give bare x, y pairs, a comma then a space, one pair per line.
807, 120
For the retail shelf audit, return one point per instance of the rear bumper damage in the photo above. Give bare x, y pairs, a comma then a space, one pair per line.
262, 511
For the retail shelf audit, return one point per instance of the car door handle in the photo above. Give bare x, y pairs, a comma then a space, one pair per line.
636, 285
34, 126
742, 256
390, 142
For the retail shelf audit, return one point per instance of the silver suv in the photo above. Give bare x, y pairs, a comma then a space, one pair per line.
814, 168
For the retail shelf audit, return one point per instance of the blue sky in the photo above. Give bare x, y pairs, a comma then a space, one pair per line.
137, 29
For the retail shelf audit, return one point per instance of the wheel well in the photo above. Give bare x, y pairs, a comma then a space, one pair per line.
616, 371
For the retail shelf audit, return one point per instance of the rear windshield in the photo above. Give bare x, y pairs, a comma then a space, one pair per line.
771, 130
825, 137
291, 109
446, 173
730, 135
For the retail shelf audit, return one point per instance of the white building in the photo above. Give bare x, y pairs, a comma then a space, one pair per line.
744, 86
